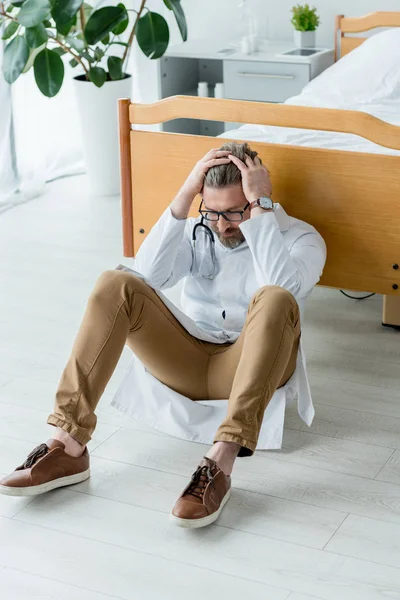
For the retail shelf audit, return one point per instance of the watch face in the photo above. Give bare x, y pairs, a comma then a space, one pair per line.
266, 202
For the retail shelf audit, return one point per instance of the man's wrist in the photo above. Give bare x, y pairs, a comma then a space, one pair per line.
253, 198
181, 205
256, 209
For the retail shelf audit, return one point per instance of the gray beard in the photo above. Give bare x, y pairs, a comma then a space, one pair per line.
231, 241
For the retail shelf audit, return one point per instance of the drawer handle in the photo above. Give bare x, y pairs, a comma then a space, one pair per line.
266, 75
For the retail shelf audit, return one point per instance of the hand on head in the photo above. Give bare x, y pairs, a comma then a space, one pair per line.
194, 183
255, 177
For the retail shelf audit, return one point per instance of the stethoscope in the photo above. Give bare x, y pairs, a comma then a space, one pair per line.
195, 268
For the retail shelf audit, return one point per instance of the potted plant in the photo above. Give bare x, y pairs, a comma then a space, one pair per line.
305, 21
42, 34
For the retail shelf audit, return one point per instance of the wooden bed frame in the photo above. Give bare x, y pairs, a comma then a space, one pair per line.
345, 44
353, 199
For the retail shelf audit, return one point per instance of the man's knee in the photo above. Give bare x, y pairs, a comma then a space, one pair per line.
114, 280
277, 300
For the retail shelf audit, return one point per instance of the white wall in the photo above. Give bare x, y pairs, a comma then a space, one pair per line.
220, 17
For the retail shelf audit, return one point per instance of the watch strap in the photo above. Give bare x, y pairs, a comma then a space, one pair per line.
257, 203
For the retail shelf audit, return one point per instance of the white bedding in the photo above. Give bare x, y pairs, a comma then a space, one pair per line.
366, 79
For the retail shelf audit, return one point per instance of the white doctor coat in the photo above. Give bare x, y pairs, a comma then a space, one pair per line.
278, 250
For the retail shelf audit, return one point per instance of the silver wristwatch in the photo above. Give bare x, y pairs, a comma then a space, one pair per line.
264, 202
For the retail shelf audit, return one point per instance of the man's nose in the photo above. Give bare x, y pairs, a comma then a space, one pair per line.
223, 224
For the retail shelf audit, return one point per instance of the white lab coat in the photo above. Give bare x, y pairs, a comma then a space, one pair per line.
278, 250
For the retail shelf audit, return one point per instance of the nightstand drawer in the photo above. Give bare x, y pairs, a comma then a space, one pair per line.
264, 81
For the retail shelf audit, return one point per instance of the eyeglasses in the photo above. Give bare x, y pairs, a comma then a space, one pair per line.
213, 215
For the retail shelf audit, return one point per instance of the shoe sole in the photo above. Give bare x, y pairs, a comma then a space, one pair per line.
35, 490
194, 523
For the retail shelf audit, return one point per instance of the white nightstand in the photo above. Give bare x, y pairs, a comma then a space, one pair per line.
268, 75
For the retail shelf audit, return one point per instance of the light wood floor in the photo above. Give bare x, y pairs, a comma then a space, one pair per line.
319, 519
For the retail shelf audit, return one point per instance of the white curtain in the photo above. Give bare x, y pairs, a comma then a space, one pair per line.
8, 175
47, 134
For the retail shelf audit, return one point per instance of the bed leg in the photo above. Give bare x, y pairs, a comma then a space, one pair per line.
391, 312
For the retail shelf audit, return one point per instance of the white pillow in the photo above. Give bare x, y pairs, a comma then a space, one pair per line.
370, 73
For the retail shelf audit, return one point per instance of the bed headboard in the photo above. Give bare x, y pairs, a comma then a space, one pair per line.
343, 25
353, 199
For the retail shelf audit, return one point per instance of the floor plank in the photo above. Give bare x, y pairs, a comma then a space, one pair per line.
255, 557
369, 539
355, 396
295, 596
276, 518
262, 474
349, 326
115, 570
344, 366
391, 470
4, 379
19, 585
342, 456
349, 424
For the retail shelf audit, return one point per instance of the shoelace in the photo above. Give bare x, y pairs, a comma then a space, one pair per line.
200, 479
36, 453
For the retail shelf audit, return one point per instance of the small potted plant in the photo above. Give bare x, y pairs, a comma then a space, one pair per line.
305, 21
43, 34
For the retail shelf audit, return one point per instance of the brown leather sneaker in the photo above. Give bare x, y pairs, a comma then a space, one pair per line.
47, 467
204, 497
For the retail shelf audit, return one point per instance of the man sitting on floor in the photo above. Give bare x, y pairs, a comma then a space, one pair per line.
268, 270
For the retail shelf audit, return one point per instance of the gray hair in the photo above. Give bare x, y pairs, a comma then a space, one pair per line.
229, 174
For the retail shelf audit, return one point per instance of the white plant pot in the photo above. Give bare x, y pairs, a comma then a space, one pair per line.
98, 110
304, 39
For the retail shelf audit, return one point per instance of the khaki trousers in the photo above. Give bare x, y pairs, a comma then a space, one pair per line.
123, 309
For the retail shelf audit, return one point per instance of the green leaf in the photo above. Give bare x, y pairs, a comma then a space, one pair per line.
97, 75
74, 63
120, 28
176, 7
114, 64
102, 21
32, 56
34, 12
15, 57
152, 34
18, 3
36, 36
63, 11
65, 28
10, 30
75, 43
59, 51
106, 40
98, 53
47, 23
88, 56
49, 72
